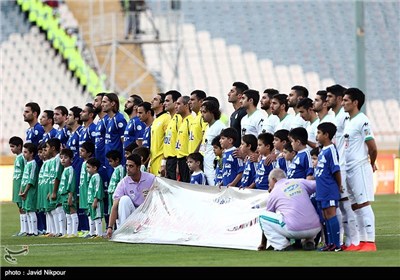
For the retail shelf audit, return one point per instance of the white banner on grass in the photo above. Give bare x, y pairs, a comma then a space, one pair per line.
185, 214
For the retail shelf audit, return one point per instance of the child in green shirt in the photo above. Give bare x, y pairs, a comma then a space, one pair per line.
67, 194
29, 186
95, 198
16, 144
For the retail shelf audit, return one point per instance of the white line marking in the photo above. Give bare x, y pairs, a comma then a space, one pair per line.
56, 244
95, 243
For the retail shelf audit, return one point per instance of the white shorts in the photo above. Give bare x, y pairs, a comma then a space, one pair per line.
277, 233
345, 192
125, 209
360, 183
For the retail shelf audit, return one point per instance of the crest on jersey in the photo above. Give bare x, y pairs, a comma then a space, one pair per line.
367, 130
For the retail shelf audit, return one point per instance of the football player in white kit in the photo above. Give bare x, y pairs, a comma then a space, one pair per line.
361, 153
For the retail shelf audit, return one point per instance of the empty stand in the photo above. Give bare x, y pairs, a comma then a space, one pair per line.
33, 72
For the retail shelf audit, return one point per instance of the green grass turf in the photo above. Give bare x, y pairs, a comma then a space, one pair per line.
78, 252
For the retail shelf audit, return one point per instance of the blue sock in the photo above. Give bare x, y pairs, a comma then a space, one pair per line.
333, 229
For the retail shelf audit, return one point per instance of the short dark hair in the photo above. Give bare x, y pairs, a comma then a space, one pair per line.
77, 113
91, 109
34, 107
337, 90
147, 107
211, 98
162, 95
230, 132
143, 152
282, 134
288, 147
200, 94
17, 141
114, 155
63, 109
135, 158
240, 87
356, 94
174, 93
136, 99
300, 91
94, 162
31, 148
54, 142
328, 127
252, 94
306, 103
89, 147
271, 92
50, 115
196, 156
130, 147
314, 151
267, 138
251, 140
299, 133
215, 141
323, 94
282, 99
41, 146
67, 152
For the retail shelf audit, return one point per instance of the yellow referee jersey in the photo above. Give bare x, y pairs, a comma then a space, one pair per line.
157, 141
182, 143
196, 131
171, 135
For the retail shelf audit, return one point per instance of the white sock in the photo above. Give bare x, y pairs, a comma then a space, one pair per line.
340, 218
55, 221
69, 224
21, 223
47, 222
62, 221
92, 227
33, 218
75, 223
26, 225
368, 223
30, 228
50, 223
99, 227
360, 225
349, 223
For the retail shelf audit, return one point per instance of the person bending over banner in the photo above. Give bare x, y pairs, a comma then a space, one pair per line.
289, 214
131, 192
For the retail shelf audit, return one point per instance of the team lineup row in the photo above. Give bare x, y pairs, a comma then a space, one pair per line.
188, 140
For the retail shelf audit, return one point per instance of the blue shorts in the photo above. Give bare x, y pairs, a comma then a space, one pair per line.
323, 204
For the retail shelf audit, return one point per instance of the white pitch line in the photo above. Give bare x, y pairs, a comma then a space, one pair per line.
95, 243
54, 244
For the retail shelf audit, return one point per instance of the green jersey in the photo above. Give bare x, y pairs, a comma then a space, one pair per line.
95, 188
83, 187
67, 185
55, 172
42, 187
30, 177
19, 165
118, 174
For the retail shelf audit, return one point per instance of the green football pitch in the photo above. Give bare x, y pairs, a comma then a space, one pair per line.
80, 252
